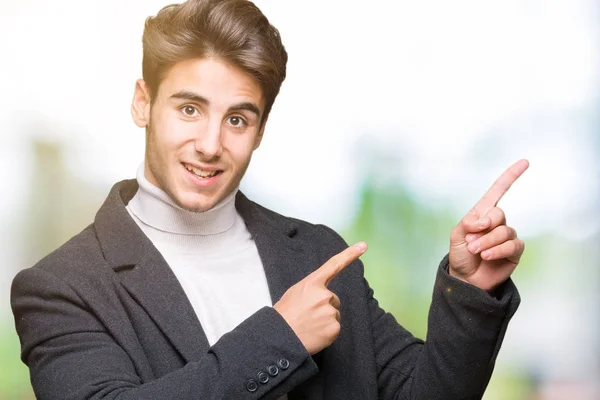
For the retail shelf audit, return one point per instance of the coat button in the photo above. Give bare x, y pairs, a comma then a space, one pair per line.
273, 370
251, 385
283, 363
263, 377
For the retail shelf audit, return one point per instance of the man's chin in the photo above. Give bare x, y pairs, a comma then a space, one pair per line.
198, 207
197, 204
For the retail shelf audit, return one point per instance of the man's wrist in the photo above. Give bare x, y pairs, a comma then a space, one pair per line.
453, 273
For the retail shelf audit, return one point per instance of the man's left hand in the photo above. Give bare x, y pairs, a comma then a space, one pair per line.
484, 251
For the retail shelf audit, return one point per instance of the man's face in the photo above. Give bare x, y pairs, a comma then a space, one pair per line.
201, 130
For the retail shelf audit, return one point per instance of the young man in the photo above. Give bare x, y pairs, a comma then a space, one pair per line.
182, 288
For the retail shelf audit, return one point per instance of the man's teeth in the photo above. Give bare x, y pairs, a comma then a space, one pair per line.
200, 173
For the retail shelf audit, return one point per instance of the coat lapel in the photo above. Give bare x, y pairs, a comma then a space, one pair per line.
153, 284
145, 274
284, 259
147, 277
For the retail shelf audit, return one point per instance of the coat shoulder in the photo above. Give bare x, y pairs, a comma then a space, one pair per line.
320, 238
319, 233
76, 255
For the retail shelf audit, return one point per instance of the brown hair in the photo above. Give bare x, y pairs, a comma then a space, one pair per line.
235, 31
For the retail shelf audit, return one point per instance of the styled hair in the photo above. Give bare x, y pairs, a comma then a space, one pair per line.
235, 31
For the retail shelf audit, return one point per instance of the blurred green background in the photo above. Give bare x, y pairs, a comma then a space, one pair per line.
394, 119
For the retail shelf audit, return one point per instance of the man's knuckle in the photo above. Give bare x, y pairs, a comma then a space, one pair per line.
515, 248
332, 312
337, 326
506, 231
325, 297
335, 300
501, 215
333, 329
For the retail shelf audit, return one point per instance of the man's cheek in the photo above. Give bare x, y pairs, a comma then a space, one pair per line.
181, 132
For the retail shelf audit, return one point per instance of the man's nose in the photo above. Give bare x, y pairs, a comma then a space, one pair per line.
209, 142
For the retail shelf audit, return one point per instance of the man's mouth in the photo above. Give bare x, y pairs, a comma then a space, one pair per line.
201, 172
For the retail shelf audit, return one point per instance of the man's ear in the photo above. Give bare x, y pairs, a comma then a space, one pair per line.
260, 133
140, 106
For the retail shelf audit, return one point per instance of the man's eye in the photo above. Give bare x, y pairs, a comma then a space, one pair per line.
189, 111
237, 122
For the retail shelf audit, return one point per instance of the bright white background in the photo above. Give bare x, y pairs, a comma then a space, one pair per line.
431, 77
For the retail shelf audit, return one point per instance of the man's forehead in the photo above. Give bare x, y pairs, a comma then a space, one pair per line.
213, 80
209, 72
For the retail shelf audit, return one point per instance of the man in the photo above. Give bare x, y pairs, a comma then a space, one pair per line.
182, 288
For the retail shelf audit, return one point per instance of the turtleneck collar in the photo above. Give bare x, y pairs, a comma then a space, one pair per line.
155, 208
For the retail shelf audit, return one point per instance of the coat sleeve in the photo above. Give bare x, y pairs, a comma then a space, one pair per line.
71, 355
466, 326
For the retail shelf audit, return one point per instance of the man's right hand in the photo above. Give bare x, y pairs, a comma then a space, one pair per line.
312, 310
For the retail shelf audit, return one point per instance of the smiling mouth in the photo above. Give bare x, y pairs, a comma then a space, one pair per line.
200, 172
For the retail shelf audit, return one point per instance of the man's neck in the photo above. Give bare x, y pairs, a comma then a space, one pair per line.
157, 209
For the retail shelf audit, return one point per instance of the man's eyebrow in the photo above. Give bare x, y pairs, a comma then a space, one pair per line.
253, 108
187, 95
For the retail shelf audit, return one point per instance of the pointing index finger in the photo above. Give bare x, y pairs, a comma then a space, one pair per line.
501, 186
337, 263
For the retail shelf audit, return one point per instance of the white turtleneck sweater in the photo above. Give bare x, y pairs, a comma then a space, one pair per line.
211, 253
